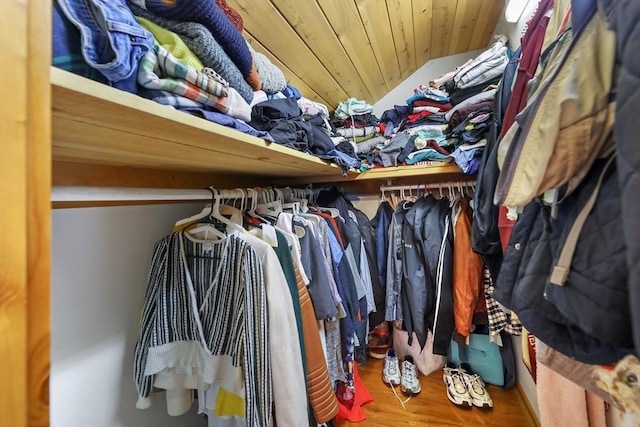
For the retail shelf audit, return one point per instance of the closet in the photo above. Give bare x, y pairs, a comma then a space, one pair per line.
62, 129
58, 129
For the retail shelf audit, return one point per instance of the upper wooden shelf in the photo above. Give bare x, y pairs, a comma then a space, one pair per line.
94, 124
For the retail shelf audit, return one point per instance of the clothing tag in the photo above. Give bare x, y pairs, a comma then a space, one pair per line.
207, 249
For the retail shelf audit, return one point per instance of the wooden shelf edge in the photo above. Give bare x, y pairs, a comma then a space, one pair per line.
94, 124
430, 173
72, 93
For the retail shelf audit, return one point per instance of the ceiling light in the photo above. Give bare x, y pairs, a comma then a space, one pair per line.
514, 9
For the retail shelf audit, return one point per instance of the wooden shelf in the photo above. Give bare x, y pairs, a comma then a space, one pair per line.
94, 125
439, 171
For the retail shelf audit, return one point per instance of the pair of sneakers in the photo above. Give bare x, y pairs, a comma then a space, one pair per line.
407, 379
465, 388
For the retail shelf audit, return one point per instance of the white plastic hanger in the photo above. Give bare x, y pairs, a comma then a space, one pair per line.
206, 211
254, 204
204, 231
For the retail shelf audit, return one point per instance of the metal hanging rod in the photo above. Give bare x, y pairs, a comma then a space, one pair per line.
423, 187
124, 194
120, 194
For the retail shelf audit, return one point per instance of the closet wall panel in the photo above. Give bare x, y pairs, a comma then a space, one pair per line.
100, 265
346, 23
25, 165
401, 19
422, 14
362, 48
375, 19
466, 19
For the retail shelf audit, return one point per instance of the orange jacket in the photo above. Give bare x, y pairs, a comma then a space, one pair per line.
468, 287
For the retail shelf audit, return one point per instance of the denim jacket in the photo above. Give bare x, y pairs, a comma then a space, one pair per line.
112, 41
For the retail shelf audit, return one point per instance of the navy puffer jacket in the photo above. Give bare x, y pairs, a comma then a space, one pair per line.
589, 317
624, 18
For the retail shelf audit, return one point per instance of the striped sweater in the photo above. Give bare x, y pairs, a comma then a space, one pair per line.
205, 299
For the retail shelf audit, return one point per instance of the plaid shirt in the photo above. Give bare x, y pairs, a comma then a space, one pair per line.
160, 70
498, 319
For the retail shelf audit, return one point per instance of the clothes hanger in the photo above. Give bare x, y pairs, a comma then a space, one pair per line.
202, 214
216, 214
334, 212
293, 207
254, 204
202, 224
271, 209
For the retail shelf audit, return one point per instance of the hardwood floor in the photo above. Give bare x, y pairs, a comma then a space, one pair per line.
431, 407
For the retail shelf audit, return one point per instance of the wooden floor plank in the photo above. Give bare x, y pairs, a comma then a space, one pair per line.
431, 407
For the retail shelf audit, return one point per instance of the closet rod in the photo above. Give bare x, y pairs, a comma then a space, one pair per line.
121, 194
437, 185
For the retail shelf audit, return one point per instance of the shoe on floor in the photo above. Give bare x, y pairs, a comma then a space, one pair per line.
409, 382
391, 369
379, 340
456, 387
476, 388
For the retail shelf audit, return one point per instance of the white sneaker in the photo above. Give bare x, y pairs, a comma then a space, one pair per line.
476, 388
456, 387
391, 370
409, 382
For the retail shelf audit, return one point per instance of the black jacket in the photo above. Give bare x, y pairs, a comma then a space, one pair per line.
485, 237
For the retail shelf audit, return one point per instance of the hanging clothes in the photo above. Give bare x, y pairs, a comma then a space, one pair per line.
182, 343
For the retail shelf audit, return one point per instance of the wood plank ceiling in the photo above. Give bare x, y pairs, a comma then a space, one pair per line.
335, 49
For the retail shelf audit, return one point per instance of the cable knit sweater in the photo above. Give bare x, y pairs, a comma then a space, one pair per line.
207, 13
201, 42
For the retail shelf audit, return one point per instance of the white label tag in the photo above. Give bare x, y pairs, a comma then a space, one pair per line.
207, 248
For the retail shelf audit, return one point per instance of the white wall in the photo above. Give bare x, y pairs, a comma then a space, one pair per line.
99, 267
515, 30
524, 377
429, 71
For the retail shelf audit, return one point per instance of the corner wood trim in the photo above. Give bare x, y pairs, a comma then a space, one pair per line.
532, 413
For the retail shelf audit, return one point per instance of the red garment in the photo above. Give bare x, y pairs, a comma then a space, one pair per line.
334, 224
505, 225
431, 103
412, 118
232, 14
352, 410
531, 47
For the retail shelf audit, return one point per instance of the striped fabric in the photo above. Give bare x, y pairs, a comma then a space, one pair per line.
211, 297
160, 70
161, 59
